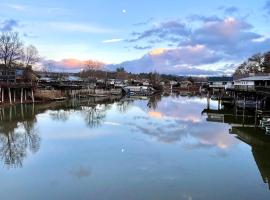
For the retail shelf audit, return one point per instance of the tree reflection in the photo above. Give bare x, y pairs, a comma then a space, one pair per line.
60, 115
153, 101
17, 134
94, 115
123, 106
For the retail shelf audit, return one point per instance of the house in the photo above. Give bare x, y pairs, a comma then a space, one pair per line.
219, 82
138, 90
185, 84
145, 83
173, 83
17, 74
162, 83
111, 82
119, 83
252, 83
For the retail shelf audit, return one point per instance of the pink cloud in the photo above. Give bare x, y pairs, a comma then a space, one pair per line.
72, 64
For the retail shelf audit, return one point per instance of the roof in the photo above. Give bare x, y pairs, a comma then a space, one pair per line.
73, 78
255, 78
220, 79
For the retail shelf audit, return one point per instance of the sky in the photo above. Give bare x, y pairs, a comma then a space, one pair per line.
182, 37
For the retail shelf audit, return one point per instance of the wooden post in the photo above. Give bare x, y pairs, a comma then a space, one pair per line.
2, 96
22, 113
10, 113
21, 95
9, 95
14, 95
25, 95
32, 95
244, 108
208, 100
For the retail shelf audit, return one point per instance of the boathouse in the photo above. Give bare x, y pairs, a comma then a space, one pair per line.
17, 83
253, 83
219, 82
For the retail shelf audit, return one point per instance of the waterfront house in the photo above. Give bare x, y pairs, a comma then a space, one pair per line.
162, 83
185, 84
172, 83
145, 83
219, 83
253, 83
17, 74
138, 90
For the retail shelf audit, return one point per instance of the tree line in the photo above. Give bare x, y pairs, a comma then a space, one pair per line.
258, 63
14, 53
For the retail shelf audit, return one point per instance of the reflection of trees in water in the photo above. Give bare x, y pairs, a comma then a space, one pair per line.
60, 115
17, 134
153, 101
94, 115
123, 106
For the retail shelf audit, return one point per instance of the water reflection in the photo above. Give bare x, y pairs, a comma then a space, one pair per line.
244, 126
17, 134
163, 138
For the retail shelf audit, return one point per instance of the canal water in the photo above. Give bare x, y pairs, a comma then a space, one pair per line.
169, 147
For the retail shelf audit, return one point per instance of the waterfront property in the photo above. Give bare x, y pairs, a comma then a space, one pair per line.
253, 84
17, 84
104, 148
219, 83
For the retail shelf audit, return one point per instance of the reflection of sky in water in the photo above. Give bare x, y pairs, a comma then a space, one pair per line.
133, 152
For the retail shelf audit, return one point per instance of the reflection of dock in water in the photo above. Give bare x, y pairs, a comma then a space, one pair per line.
260, 147
245, 128
227, 116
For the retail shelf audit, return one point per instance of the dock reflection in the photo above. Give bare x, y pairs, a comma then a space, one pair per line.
245, 127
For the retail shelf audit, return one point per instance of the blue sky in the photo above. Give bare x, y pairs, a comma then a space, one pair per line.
184, 37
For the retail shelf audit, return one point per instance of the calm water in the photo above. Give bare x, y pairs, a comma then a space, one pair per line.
162, 148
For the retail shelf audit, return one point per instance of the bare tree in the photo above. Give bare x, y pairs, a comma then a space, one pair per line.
30, 56
11, 48
91, 67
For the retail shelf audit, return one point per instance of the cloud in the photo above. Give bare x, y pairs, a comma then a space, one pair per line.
182, 61
144, 23
267, 7
204, 18
206, 42
170, 30
112, 40
224, 35
29, 35
142, 47
17, 7
8, 25
229, 10
35, 10
79, 27
227, 36
71, 65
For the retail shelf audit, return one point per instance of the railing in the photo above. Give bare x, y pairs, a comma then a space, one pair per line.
247, 88
263, 89
17, 85
7, 77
